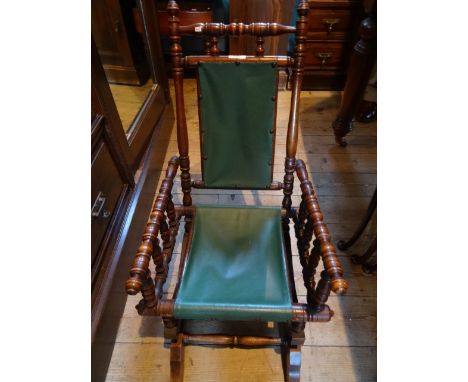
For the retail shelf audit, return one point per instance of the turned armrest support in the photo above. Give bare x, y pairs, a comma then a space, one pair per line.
139, 271
327, 249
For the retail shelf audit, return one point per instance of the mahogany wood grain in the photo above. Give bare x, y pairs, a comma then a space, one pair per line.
178, 76
281, 61
327, 249
293, 125
139, 270
320, 297
186, 17
232, 340
148, 292
247, 11
236, 29
177, 359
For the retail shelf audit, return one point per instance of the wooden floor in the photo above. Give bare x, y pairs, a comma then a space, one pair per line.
131, 348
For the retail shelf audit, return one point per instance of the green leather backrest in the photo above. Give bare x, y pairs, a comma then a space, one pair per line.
237, 117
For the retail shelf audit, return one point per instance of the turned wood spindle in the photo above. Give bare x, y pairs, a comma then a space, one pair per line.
178, 77
207, 46
162, 266
309, 261
157, 256
172, 217
302, 215
327, 250
145, 250
148, 292
318, 299
214, 49
293, 124
260, 50
312, 264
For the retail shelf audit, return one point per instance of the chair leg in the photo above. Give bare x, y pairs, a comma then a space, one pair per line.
293, 363
177, 359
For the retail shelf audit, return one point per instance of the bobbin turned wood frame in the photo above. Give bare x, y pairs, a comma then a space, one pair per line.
165, 217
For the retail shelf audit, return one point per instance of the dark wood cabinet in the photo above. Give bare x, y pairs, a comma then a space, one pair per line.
332, 32
112, 183
118, 157
120, 46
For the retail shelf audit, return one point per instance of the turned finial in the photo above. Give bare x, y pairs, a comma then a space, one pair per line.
339, 286
172, 6
303, 8
133, 286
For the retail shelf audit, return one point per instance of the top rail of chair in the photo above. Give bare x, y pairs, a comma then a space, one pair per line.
236, 29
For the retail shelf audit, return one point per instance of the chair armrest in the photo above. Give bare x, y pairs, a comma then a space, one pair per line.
139, 271
327, 249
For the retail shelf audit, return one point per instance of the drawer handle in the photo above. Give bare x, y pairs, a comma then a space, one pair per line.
330, 23
324, 57
98, 207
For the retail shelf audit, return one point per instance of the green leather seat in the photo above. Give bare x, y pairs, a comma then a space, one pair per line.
236, 268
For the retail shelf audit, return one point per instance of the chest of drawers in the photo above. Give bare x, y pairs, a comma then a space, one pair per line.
332, 32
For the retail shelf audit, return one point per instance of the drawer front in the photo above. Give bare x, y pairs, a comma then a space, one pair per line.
325, 55
330, 20
106, 187
186, 18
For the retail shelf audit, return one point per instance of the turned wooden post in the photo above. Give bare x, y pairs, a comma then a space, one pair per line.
309, 268
293, 124
139, 271
147, 290
177, 359
360, 67
327, 249
214, 48
178, 77
260, 50
318, 299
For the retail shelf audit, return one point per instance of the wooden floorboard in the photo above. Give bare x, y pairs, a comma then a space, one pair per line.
131, 348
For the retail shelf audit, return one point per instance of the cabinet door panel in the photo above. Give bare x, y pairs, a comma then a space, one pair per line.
106, 187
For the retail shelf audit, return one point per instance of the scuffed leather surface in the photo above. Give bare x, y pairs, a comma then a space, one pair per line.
235, 268
237, 111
